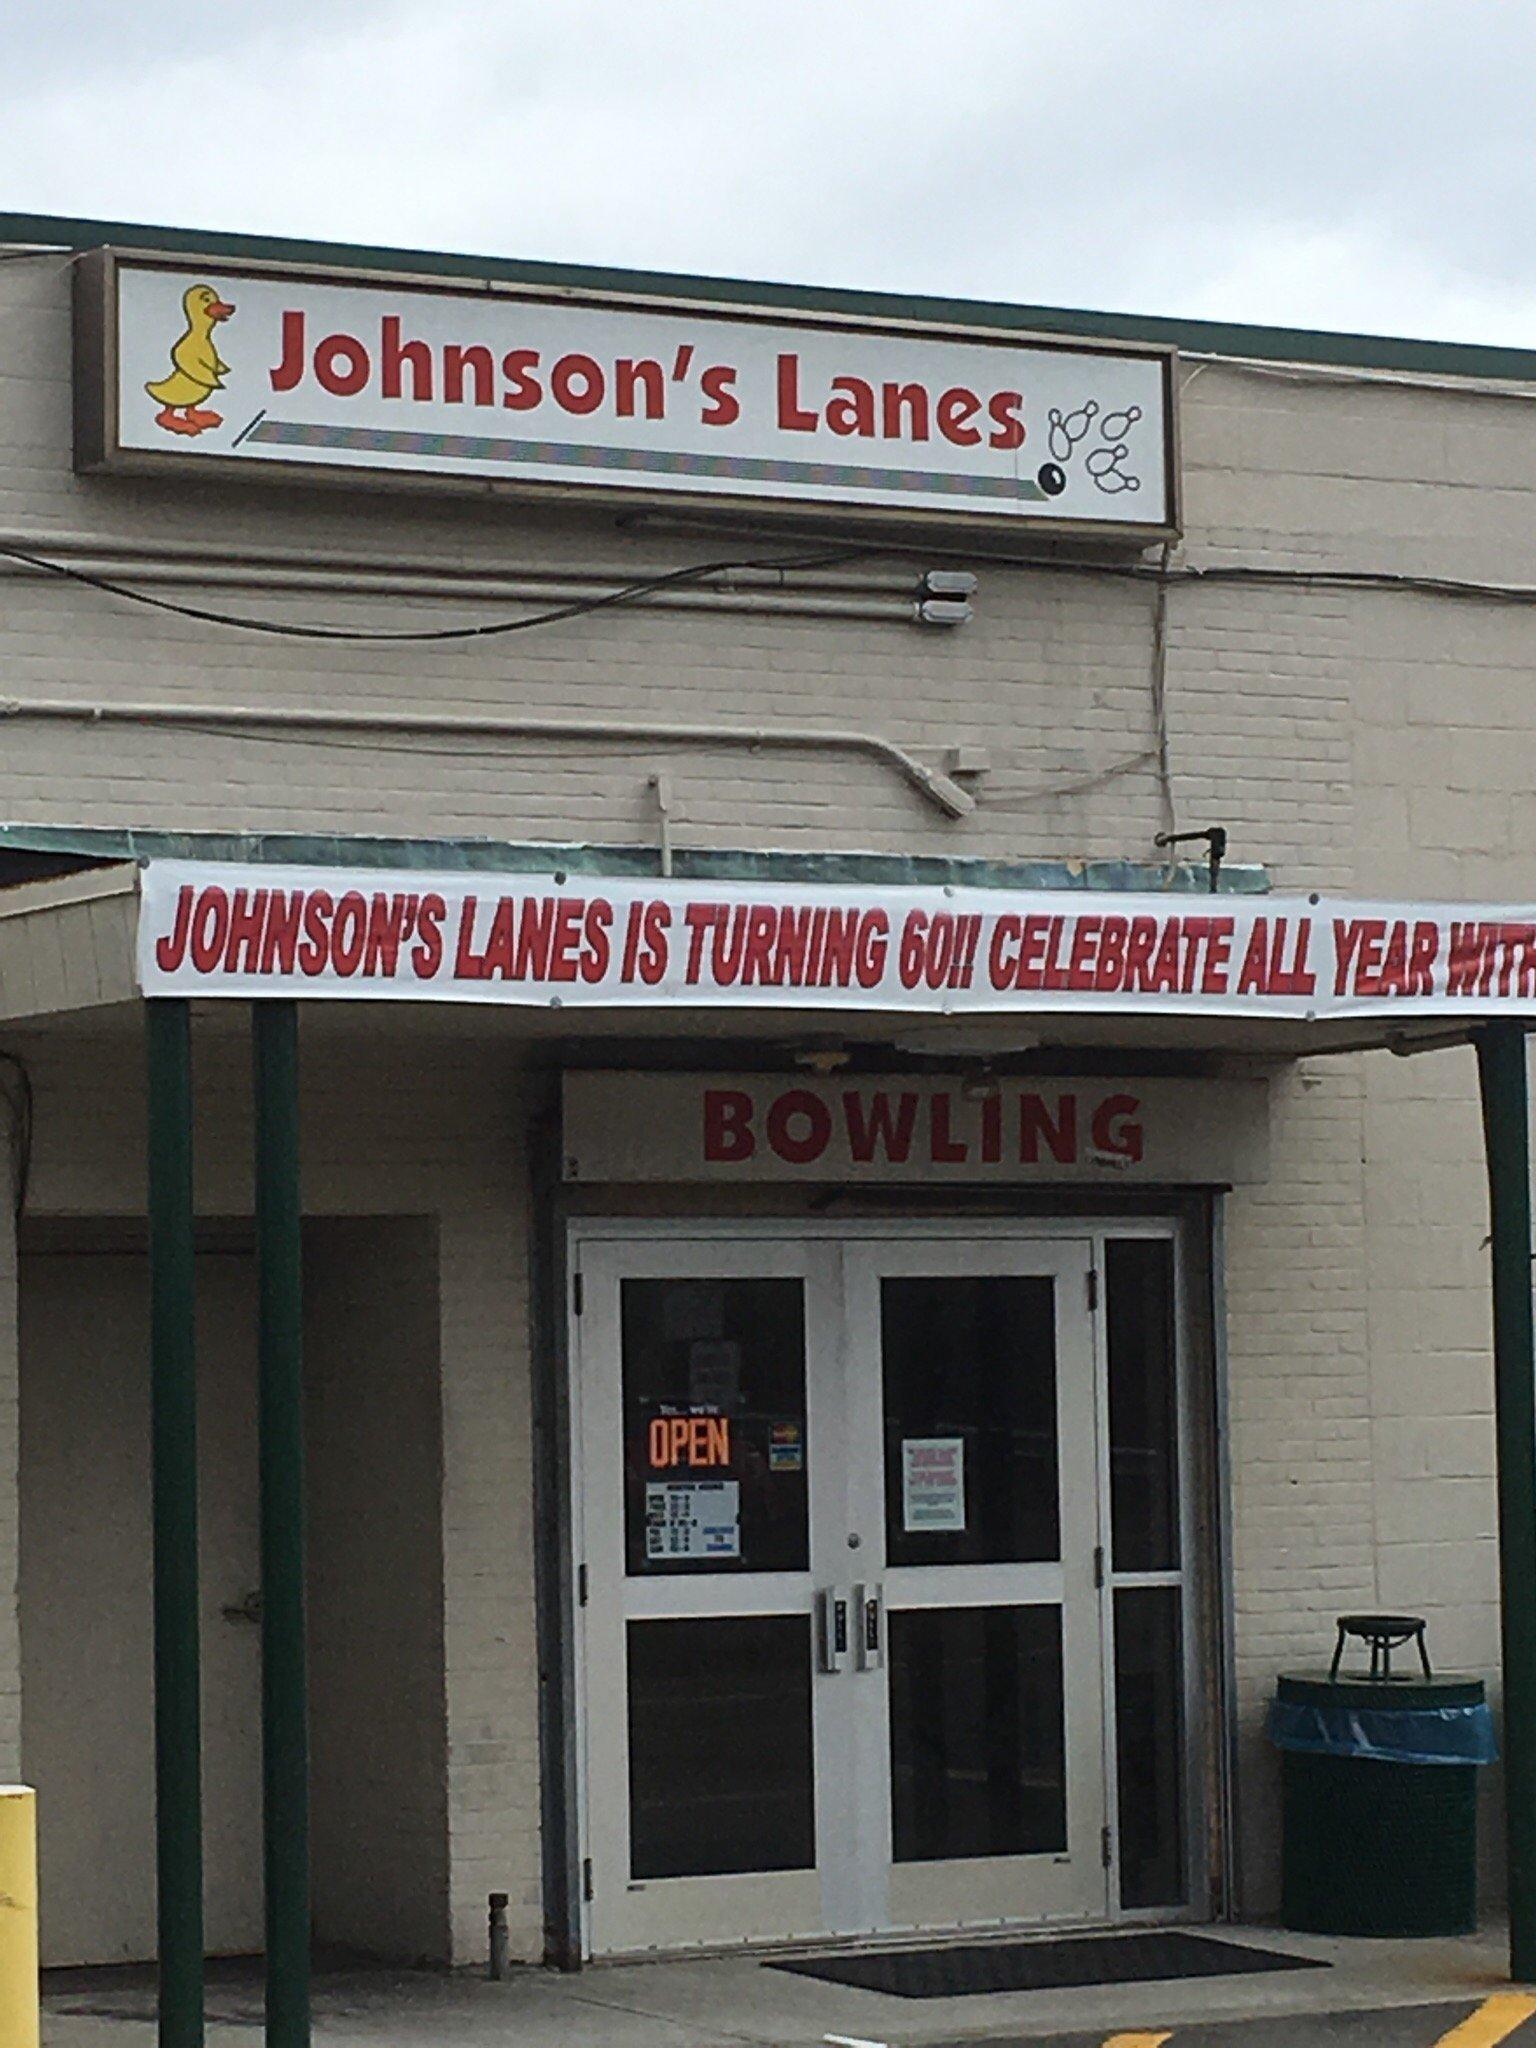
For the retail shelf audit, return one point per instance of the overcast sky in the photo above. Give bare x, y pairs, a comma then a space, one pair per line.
1361, 164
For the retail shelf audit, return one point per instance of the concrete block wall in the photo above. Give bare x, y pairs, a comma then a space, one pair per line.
1366, 740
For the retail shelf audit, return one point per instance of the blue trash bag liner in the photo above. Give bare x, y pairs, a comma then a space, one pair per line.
1389, 1735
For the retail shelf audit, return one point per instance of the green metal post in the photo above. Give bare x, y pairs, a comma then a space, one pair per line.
284, 1679
1501, 1063
173, 1463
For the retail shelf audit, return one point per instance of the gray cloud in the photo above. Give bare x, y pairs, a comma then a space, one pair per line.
1348, 163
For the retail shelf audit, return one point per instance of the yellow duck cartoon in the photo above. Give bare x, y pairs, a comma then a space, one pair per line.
197, 371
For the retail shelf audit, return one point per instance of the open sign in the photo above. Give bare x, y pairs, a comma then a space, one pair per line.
699, 1442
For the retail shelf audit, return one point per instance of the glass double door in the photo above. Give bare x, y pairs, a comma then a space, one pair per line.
838, 1531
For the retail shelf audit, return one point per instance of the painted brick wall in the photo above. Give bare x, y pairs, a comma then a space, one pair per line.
416, 1127
1377, 741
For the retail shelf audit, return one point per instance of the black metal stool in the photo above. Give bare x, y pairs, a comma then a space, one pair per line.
1385, 1633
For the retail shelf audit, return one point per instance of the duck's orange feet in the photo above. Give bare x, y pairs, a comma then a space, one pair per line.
174, 423
201, 419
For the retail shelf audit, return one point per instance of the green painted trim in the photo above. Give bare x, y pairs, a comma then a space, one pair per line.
1214, 337
1504, 1076
280, 1458
173, 1492
489, 856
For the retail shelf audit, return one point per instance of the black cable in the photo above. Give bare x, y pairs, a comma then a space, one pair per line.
628, 593
832, 556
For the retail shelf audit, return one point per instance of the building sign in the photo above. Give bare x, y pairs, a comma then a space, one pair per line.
585, 942
257, 370
626, 1127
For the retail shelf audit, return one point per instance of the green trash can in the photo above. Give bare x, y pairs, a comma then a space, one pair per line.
1379, 1802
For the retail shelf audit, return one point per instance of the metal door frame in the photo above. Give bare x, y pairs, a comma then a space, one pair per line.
1200, 1569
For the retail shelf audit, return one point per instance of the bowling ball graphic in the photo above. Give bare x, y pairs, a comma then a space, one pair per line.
1051, 478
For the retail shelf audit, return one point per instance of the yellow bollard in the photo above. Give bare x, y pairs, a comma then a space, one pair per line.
19, 2024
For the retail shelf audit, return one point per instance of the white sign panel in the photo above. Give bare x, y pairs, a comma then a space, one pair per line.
595, 942
622, 1128
933, 1485
268, 371
692, 1518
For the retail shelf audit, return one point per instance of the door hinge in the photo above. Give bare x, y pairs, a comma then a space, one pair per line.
1093, 1289
1098, 1567
578, 1293
1106, 1849
586, 1879
581, 1585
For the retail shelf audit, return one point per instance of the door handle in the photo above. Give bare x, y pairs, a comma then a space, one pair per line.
832, 1628
869, 1606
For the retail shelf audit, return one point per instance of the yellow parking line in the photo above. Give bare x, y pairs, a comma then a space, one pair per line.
1137, 2040
1495, 2020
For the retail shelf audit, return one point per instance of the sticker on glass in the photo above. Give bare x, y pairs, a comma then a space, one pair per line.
932, 1484
687, 1519
786, 1448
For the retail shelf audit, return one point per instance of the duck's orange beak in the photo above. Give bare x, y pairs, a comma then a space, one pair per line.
219, 310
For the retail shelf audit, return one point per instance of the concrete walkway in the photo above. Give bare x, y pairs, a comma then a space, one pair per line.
1373, 1995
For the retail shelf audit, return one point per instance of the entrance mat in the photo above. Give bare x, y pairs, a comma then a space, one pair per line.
1044, 1965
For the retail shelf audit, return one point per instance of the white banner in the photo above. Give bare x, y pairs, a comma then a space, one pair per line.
624, 1127
613, 397
595, 942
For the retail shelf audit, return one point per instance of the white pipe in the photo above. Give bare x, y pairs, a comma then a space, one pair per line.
786, 602
945, 795
122, 550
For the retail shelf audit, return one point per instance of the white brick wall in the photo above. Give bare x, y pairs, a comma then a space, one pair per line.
1374, 741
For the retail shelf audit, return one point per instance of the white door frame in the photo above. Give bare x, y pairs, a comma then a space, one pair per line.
584, 1232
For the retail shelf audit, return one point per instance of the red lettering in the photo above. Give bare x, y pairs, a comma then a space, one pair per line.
314, 947
944, 1148
718, 383
395, 354
291, 366
342, 365
878, 1127
793, 417
387, 924
908, 399
1004, 409
476, 359
597, 948
798, 1105
639, 379
279, 942
247, 910
852, 410
210, 928
171, 948
349, 933
1114, 1133
728, 1134
1035, 1124
427, 953
468, 965
524, 390
576, 384
956, 409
